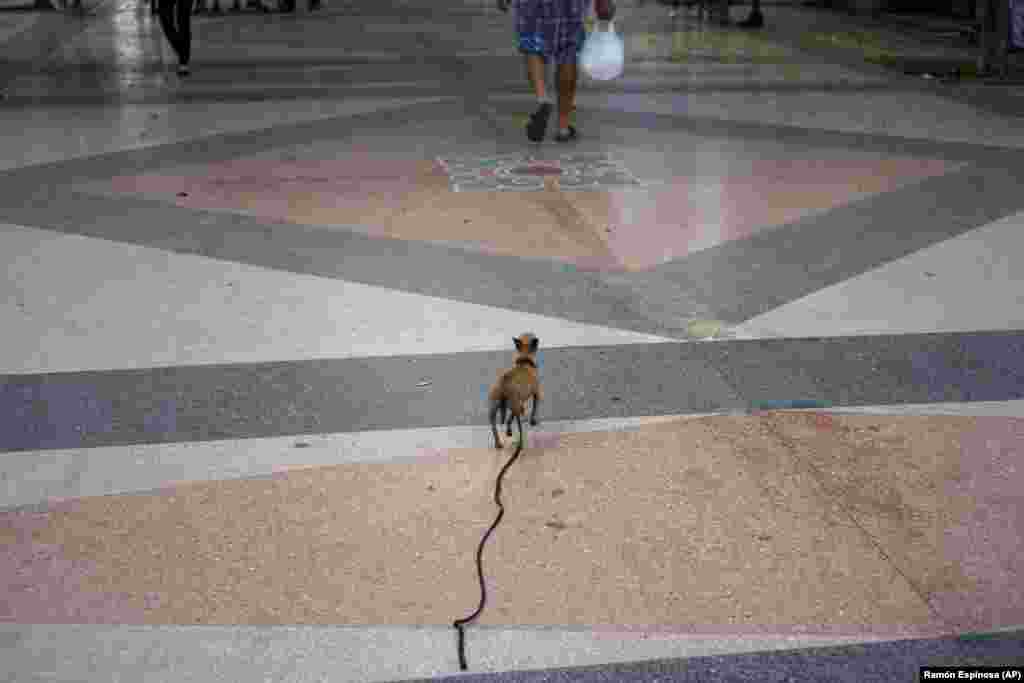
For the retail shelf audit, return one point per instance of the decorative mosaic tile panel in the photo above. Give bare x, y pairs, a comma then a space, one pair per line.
530, 173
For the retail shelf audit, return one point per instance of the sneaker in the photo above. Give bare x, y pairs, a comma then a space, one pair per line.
538, 125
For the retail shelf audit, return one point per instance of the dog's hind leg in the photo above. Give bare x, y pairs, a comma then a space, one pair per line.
504, 412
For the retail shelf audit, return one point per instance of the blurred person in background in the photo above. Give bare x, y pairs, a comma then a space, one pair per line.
176, 20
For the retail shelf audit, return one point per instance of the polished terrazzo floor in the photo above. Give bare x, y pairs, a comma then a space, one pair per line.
250, 319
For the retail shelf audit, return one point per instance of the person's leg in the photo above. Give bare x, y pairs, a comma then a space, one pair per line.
569, 53
567, 77
536, 68
534, 40
535, 72
166, 9
184, 34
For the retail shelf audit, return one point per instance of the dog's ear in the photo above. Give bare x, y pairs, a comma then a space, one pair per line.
534, 343
519, 344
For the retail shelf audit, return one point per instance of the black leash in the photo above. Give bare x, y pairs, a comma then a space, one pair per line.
460, 623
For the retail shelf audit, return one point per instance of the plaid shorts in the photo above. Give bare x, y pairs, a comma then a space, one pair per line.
552, 29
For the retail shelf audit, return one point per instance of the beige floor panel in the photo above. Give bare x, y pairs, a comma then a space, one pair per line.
524, 224
938, 494
670, 527
544, 224
401, 200
703, 526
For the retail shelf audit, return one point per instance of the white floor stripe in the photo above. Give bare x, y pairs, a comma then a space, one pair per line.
969, 283
1014, 409
32, 477
139, 307
354, 655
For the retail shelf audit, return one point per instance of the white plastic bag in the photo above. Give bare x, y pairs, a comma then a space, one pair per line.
603, 55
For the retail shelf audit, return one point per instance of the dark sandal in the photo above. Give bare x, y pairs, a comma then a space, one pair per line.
571, 135
538, 125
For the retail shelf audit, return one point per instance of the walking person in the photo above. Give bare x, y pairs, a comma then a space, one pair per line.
176, 19
552, 30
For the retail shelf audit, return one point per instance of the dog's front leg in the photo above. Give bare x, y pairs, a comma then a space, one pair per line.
533, 412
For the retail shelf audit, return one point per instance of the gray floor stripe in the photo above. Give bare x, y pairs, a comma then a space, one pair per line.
212, 93
213, 148
861, 663
174, 405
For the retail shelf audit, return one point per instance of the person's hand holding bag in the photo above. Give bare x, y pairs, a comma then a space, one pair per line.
604, 9
603, 54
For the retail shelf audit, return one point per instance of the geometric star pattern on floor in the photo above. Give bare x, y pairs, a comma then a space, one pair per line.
529, 173
894, 527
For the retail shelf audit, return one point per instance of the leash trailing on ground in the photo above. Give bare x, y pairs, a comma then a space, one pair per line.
461, 623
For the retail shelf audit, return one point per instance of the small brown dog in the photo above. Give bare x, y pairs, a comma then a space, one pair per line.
515, 387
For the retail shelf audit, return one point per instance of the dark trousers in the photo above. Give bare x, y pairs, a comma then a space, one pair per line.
176, 19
